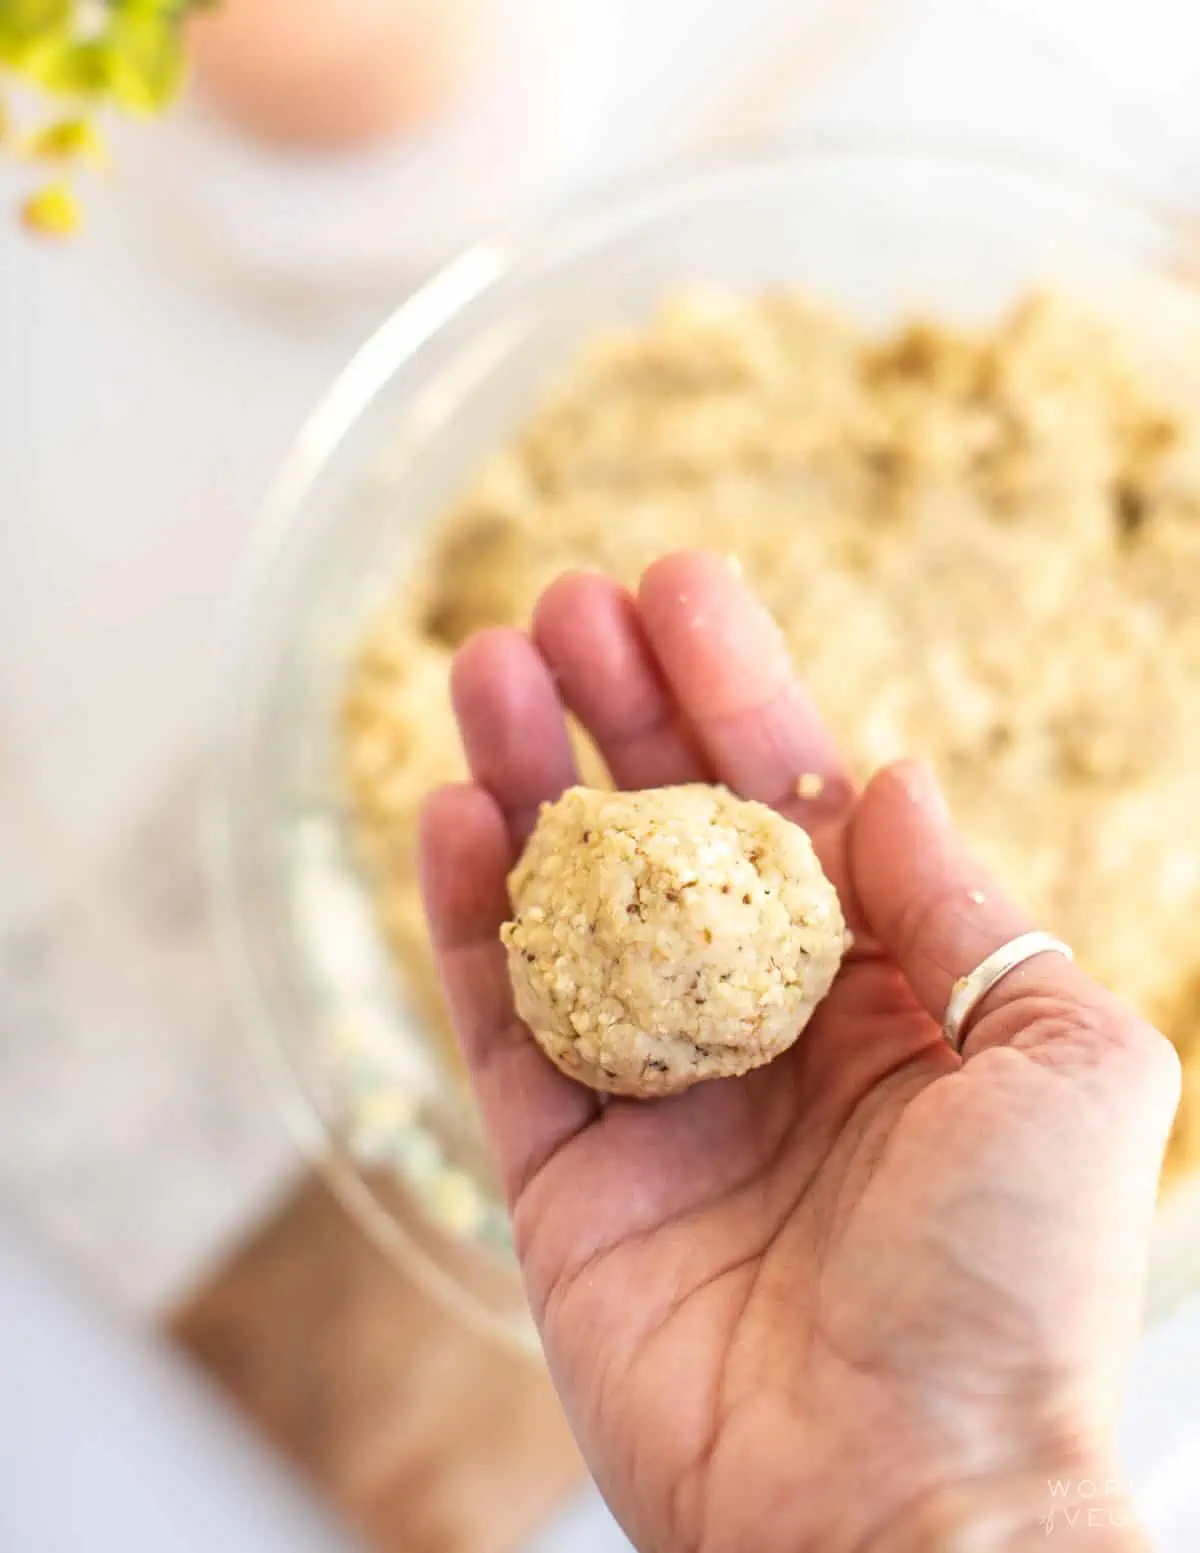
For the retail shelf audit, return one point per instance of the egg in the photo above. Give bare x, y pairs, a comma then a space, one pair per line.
334, 74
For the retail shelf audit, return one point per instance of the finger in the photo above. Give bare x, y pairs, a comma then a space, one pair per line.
726, 662
929, 906
938, 914
529, 1108
588, 630
512, 724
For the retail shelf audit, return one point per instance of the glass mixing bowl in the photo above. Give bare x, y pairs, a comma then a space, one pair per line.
879, 229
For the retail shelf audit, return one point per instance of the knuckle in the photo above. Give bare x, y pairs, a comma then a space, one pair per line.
1096, 1034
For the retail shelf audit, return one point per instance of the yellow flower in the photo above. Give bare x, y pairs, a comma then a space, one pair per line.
52, 211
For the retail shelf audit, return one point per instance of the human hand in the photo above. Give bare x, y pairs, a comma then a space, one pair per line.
874, 1296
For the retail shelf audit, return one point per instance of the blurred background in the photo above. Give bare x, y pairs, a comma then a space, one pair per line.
325, 157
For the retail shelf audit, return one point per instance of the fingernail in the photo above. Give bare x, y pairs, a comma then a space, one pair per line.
923, 790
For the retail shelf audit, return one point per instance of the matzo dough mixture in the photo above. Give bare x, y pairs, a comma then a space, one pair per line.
981, 547
664, 937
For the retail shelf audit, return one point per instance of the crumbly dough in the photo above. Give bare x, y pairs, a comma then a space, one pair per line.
982, 546
659, 938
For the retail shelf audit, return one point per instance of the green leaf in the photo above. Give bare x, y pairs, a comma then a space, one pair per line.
170, 10
29, 21
29, 29
72, 69
145, 58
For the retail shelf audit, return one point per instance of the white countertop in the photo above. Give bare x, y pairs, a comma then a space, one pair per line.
155, 373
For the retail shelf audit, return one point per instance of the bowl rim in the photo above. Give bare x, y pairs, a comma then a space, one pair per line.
463, 280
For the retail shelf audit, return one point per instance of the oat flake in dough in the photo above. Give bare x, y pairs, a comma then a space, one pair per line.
664, 937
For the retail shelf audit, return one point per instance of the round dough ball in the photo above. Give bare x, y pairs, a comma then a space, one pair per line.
668, 936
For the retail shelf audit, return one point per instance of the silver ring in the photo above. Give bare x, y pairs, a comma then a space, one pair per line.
969, 991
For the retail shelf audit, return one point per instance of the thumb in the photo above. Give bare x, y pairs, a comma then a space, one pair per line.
937, 914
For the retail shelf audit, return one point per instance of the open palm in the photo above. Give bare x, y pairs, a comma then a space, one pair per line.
873, 1295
